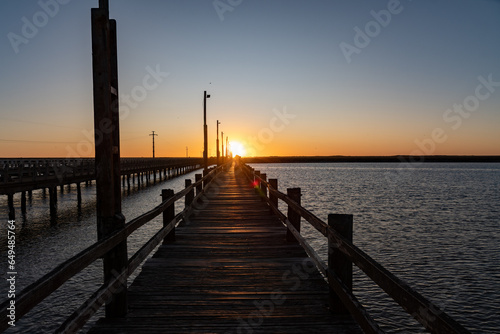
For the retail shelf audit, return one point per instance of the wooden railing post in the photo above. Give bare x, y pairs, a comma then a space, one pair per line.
273, 198
263, 186
168, 214
199, 188
190, 195
337, 261
293, 216
205, 173
256, 181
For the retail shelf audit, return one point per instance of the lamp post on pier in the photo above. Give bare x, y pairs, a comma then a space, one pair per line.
205, 131
217, 143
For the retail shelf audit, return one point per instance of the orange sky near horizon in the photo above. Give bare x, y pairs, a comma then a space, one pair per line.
278, 75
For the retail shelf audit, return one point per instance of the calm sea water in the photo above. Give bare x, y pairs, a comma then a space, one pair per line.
436, 226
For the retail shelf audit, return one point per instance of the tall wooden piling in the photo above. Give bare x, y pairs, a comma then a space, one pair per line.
293, 217
107, 149
342, 266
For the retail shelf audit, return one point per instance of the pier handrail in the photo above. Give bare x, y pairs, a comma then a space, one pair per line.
427, 313
36, 292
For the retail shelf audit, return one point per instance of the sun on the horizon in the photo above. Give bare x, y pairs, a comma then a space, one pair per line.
237, 148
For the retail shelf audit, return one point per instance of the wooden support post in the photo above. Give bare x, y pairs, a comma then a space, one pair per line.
190, 195
53, 201
23, 202
293, 217
154, 176
128, 182
12, 210
79, 194
263, 187
61, 188
168, 215
273, 198
199, 188
107, 150
337, 261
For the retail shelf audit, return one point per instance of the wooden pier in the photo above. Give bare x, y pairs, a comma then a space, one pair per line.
26, 175
230, 270
229, 262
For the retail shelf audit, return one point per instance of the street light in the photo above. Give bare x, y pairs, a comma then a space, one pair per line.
217, 143
205, 131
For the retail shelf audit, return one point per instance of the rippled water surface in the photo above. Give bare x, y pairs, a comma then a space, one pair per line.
434, 225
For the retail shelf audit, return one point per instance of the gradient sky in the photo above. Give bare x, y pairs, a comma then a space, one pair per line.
279, 80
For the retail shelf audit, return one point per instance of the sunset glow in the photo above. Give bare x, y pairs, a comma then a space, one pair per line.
327, 88
237, 148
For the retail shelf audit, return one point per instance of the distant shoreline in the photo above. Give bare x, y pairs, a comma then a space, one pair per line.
393, 159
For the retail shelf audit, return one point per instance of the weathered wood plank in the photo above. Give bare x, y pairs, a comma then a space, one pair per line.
230, 270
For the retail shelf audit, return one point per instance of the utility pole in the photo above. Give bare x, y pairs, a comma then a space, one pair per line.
205, 131
217, 143
153, 134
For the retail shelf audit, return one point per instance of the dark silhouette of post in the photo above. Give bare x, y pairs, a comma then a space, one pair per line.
217, 143
205, 131
222, 150
338, 262
153, 134
107, 150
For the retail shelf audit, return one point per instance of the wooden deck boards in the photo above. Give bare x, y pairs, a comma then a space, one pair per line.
230, 270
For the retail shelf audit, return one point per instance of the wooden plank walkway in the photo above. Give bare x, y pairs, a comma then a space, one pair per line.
230, 270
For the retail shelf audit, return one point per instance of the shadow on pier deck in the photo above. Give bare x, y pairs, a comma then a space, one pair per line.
230, 270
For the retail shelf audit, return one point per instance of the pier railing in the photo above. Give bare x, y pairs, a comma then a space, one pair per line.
42, 288
28, 174
342, 253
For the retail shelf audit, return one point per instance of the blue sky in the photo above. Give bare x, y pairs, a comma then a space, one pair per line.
263, 59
